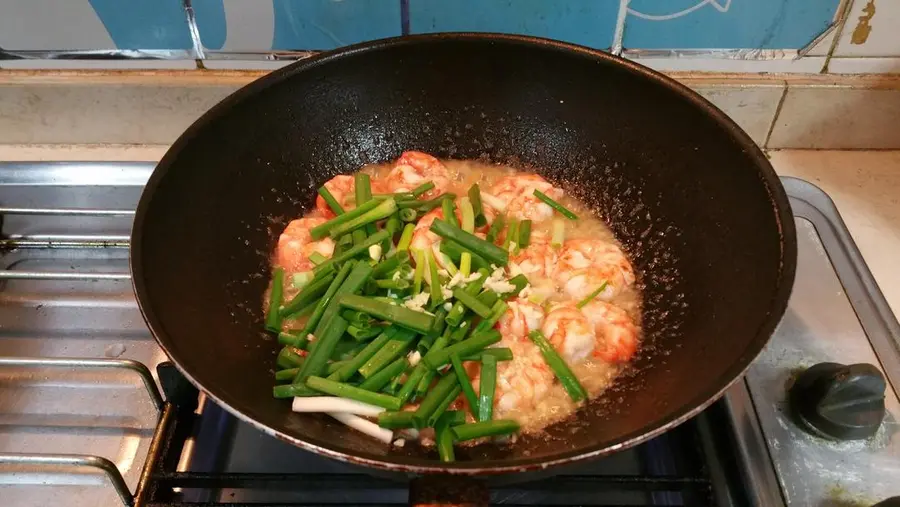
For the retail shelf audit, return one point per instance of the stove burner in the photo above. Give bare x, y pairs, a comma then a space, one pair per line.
839, 402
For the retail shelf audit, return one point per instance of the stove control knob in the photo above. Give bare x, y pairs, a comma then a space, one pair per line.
838, 401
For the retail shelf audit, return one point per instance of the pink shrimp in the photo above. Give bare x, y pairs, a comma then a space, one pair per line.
414, 168
517, 193
520, 318
537, 262
586, 264
295, 245
423, 238
570, 332
617, 335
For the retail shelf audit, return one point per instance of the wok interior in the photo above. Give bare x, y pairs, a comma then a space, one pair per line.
691, 201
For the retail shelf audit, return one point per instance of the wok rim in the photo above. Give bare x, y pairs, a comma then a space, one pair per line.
777, 197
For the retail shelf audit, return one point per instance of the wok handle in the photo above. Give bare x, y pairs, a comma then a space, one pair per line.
448, 491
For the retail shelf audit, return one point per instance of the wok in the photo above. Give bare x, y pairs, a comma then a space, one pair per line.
694, 201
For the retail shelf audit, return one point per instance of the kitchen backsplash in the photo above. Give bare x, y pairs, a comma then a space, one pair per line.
805, 36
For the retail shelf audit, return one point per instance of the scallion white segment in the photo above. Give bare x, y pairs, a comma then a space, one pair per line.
334, 404
364, 426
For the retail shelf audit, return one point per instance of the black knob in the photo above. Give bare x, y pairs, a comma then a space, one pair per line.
839, 402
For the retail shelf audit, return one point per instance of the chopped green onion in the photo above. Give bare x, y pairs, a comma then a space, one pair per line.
352, 252
331, 201
399, 315
348, 370
354, 283
518, 282
434, 281
498, 353
420, 271
299, 280
399, 284
289, 357
489, 251
361, 335
465, 383
354, 393
555, 205
408, 215
454, 251
465, 264
335, 366
397, 420
496, 227
406, 237
448, 208
276, 296
288, 339
565, 375
325, 344
468, 214
435, 398
379, 380
485, 429
524, 233
399, 344
487, 387
512, 233
309, 294
477, 207
437, 358
447, 262
317, 258
442, 408
559, 233
390, 264
472, 303
412, 382
590, 297
286, 375
421, 189
323, 303
321, 231
383, 210
443, 433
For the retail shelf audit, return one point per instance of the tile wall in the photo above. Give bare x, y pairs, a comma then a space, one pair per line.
805, 36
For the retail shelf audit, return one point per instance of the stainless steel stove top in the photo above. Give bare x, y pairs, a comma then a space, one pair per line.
65, 294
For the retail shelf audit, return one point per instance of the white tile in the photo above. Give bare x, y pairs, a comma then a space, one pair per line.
35, 25
832, 117
100, 113
751, 107
870, 65
807, 64
871, 29
97, 64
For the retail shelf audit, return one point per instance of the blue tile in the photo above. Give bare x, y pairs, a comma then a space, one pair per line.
700, 24
145, 24
586, 22
327, 24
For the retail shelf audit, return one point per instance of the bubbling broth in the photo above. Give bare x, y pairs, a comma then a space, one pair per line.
554, 298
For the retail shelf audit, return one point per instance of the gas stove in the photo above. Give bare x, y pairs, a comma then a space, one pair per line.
93, 415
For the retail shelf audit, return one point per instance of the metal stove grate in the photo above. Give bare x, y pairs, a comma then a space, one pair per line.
65, 238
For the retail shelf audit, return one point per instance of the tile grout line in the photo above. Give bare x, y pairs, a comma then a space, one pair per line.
780, 105
619, 34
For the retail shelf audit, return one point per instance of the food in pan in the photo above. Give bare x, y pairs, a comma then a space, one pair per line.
449, 301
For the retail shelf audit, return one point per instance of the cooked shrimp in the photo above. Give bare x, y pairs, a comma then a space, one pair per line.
520, 318
537, 262
423, 238
586, 264
517, 193
617, 334
295, 245
570, 332
414, 168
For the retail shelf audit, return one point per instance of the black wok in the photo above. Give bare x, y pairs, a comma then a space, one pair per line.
692, 198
